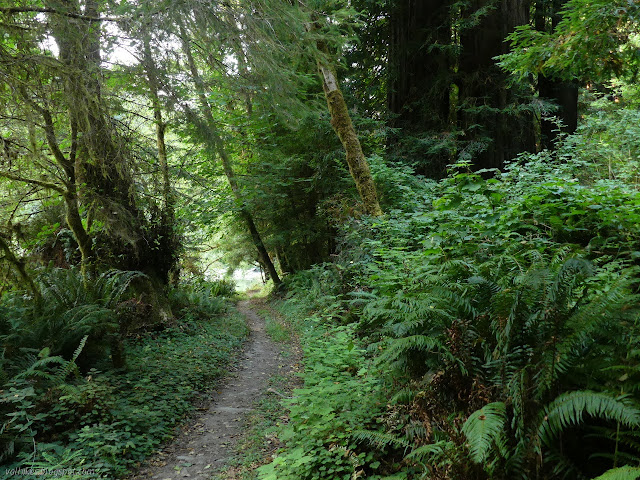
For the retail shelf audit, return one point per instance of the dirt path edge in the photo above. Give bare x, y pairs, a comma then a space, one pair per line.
206, 444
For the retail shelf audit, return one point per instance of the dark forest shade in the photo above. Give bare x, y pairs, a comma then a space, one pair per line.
491, 113
563, 94
419, 79
434, 50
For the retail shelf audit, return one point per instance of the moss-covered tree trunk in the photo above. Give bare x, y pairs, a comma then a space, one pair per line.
19, 265
343, 126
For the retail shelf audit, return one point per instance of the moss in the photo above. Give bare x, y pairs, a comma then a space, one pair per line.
358, 166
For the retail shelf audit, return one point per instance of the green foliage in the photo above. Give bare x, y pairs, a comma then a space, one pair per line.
485, 429
201, 300
509, 301
595, 40
69, 308
106, 422
622, 473
339, 396
568, 410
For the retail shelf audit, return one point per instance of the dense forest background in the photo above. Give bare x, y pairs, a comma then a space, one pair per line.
449, 188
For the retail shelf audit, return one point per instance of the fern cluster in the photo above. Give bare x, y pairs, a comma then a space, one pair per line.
73, 323
504, 312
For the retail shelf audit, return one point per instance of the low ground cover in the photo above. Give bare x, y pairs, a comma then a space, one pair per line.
99, 422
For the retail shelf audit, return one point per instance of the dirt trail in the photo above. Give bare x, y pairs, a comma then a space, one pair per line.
204, 446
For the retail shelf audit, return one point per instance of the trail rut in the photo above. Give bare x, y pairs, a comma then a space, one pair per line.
206, 444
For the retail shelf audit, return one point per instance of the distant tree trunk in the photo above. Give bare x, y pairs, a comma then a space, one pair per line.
484, 97
227, 167
563, 94
166, 251
420, 77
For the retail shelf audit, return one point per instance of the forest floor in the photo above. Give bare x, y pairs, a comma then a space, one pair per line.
208, 442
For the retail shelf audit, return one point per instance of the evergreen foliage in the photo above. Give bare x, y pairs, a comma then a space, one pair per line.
485, 327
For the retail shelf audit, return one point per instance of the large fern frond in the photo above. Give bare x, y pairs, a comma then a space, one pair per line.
431, 452
112, 285
417, 343
380, 439
484, 429
569, 408
621, 473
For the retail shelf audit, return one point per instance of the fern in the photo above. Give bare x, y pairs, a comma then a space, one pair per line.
621, 473
71, 365
484, 429
380, 439
568, 410
112, 285
401, 346
430, 452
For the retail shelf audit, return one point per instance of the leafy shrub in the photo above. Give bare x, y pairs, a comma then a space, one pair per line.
339, 396
502, 307
201, 300
108, 421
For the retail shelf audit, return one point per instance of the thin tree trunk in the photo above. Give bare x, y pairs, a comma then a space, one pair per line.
19, 265
154, 89
343, 126
227, 166
165, 253
69, 192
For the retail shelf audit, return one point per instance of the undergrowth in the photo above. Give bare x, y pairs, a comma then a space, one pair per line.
339, 394
94, 421
486, 329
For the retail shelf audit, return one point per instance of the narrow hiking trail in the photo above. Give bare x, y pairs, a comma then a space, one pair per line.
206, 443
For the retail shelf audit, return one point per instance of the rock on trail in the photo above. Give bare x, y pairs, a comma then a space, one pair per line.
205, 445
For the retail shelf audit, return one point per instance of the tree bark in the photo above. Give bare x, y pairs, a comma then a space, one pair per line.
343, 126
227, 165
484, 96
19, 265
563, 94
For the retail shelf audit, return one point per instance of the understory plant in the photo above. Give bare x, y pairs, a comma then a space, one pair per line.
502, 309
78, 413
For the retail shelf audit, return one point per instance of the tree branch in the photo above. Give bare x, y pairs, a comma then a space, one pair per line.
33, 181
10, 10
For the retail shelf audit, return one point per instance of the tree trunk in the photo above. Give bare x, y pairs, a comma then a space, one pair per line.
165, 253
343, 126
420, 79
19, 265
227, 166
563, 94
485, 115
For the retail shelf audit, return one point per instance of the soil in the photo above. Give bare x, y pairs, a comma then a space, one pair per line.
205, 445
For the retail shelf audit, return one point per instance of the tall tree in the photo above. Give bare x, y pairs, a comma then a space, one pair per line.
421, 60
342, 123
492, 116
65, 123
210, 130
563, 93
